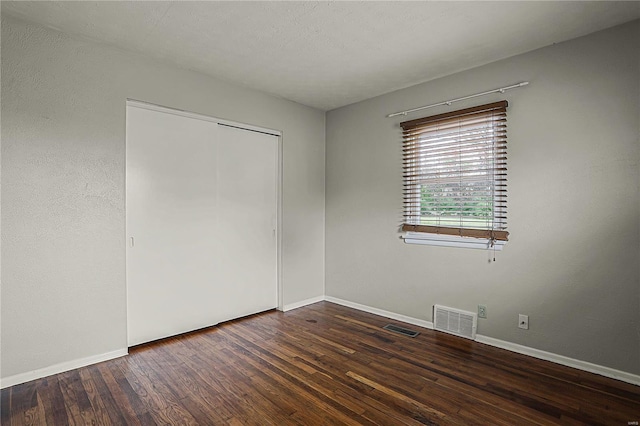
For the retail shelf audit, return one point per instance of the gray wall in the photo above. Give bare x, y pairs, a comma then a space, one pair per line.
573, 260
63, 206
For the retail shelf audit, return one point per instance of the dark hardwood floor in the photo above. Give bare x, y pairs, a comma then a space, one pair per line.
321, 364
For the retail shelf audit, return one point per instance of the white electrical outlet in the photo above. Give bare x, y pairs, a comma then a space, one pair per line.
523, 321
482, 311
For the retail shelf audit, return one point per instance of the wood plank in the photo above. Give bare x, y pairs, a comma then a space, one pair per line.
123, 394
5, 404
116, 412
163, 405
433, 414
52, 400
93, 395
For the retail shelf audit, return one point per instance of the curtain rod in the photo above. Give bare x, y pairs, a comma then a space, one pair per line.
501, 90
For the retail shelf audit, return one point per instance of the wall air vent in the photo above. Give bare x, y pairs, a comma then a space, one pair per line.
455, 321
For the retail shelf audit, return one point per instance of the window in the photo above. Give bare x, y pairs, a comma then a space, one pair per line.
455, 174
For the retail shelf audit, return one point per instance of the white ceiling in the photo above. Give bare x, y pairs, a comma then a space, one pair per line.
327, 54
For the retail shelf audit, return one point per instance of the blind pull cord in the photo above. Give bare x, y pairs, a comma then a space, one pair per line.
492, 244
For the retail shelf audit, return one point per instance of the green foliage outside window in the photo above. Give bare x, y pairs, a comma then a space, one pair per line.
450, 205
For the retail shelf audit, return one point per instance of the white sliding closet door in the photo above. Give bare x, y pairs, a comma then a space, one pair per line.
247, 217
201, 213
171, 211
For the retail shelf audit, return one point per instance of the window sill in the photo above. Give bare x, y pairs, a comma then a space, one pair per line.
451, 241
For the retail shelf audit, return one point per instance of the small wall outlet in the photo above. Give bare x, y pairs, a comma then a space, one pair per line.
482, 311
523, 321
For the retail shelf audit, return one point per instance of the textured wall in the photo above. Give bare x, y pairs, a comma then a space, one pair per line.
63, 206
572, 263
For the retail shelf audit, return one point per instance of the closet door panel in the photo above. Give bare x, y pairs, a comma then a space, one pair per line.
247, 220
171, 224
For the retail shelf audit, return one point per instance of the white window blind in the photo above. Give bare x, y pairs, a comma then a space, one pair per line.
455, 173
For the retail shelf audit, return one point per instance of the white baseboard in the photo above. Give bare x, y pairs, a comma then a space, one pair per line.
382, 313
513, 347
561, 359
302, 303
59, 368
